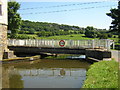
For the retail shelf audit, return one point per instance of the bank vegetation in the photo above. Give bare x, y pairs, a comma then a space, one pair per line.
103, 74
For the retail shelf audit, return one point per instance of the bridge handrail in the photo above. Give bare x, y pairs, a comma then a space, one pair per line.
95, 43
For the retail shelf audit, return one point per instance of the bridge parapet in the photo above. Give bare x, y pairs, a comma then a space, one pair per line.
96, 43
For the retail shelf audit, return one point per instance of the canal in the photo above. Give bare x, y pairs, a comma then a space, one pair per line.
45, 73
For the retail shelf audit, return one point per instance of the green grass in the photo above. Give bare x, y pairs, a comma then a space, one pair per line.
72, 37
103, 74
32, 35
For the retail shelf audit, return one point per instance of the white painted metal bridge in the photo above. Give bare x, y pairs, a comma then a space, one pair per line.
90, 44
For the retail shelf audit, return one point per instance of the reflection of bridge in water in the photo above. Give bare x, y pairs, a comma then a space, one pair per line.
97, 49
76, 72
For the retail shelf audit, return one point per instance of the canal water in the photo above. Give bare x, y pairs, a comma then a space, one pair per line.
45, 73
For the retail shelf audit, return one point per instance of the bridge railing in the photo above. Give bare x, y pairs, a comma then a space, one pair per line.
96, 43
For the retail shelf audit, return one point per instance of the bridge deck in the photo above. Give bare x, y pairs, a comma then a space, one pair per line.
73, 44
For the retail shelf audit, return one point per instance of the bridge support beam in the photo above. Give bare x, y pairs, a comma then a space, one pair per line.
97, 54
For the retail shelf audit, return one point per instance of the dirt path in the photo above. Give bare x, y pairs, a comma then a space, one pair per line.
116, 55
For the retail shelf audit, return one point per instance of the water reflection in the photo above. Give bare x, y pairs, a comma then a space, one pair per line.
53, 72
62, 72
45, 74
11, 78
45, 78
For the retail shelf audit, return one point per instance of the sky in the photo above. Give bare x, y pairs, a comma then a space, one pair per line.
80, 13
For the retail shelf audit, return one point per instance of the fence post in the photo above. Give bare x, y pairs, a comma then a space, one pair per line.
107, 44
40, 42
29, 43
77, 43
88, 43
12, 42
52, 43
113, 45
99, 44
93, 43
36, 42
25, 42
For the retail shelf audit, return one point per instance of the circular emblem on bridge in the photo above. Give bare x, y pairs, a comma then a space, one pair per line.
62, 43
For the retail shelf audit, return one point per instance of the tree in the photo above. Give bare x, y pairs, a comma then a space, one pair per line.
115, 15
14, 19
103, 36
41, 34
31, 31
109, 35
90, 32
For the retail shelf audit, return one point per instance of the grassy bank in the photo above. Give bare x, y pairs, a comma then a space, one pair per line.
102, 74
71, 36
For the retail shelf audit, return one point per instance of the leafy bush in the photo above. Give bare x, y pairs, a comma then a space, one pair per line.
103, 74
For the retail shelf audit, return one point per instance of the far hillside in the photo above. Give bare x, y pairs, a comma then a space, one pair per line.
48, 29
33, 30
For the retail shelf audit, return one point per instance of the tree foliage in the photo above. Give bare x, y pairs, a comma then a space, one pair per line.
45, 29
115, 15
14, 19
90, 32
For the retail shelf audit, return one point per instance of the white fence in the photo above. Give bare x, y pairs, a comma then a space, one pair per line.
96, 43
